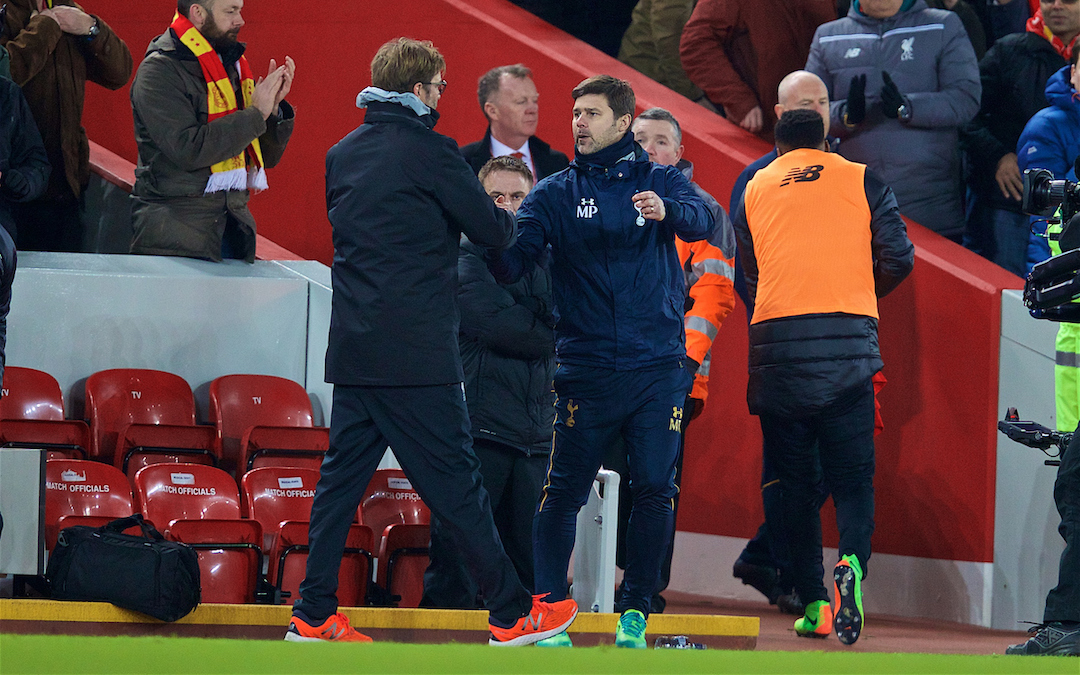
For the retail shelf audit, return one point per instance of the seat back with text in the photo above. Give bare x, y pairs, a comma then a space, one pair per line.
125, 396
240, 402
30, 394
389, 500
175, 491
273, 495
400, 520
280, 499
32, 407
81, 492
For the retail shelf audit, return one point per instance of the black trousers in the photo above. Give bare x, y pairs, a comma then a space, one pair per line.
1063, 601
769, 547
428, 429
841, 439
513, 481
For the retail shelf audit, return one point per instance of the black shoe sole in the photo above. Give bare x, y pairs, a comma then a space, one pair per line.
848, 620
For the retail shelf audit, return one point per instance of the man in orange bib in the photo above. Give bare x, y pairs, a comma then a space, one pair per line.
820, 240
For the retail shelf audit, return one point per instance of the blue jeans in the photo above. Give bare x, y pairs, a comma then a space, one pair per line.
997, 234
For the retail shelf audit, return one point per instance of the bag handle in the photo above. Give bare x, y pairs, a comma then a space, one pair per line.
134, 519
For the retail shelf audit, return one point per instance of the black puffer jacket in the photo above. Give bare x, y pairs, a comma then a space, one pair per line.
1014, 74
24, 166
508, 353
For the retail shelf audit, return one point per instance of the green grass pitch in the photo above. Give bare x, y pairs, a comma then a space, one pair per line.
71, 654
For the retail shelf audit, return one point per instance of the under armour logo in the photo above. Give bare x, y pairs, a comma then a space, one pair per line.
908, 49
803, 175
587, 208
676, 419
853, 52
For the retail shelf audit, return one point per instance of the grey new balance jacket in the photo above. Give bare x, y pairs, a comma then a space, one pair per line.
929, 57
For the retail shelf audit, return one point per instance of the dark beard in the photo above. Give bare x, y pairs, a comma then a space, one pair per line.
220, 40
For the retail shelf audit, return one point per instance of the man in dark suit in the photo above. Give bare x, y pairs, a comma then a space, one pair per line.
509, 101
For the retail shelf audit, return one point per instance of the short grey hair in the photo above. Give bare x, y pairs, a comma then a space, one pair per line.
662, 115
488, 85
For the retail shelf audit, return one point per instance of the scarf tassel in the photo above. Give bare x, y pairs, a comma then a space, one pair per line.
237, 179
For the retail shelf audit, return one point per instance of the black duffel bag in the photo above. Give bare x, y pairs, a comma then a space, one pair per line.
145, 574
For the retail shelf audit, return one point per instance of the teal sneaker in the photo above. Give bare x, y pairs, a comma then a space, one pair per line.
631, 630
560, 640
848, 576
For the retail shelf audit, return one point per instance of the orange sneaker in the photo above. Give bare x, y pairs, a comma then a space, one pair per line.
334, 629
545, 620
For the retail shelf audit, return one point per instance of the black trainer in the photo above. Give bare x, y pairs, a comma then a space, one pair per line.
790, 603
1056, 638
760, 577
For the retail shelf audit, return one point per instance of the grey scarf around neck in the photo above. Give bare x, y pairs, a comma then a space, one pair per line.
377, 95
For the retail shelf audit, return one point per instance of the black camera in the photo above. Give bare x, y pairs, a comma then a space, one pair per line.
1043, 195
1054, 284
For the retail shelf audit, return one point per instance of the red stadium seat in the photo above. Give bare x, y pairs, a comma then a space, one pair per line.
392, 508
79, 492
200, 506
239, 404
280, 499
32, 408
69, 439
146, 404
144, 444
284, 446
31, 394
230, 556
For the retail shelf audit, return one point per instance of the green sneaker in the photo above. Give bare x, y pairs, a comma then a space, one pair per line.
631, 630
848, 576
816, 621
560, 640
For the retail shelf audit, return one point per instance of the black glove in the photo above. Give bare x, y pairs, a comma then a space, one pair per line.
691, 409
855, 108
891, 98
692, 367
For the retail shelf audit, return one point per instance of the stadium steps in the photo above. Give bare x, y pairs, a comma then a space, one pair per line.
384, 624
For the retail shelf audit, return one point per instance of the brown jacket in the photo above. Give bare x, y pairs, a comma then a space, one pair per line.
177, 146
52, 68
737, 51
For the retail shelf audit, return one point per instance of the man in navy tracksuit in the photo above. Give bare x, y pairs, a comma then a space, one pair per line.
611, 220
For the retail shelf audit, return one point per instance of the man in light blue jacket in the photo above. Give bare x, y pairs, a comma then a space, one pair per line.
902, 79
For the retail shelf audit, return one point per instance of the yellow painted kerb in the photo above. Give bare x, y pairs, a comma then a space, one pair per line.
366, 617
